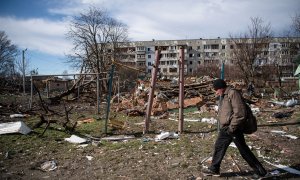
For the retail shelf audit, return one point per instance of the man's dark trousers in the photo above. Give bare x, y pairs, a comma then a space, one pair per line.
223, 141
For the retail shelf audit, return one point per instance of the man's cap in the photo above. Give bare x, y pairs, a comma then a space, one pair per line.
219, 84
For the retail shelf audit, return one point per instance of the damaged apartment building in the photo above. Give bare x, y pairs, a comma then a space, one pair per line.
141, 54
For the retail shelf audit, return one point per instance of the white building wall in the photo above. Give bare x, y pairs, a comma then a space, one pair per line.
150, 58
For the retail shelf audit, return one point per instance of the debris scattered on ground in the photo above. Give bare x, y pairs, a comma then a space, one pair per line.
14, 127
85, 121
209, 120
282, 114
89, 157
118, 138
165, 135
282, 133
288, 103
18, 115
285, 168
48, 166
76, 139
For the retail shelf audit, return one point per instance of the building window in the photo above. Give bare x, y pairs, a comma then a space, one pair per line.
149, 70
206, 47
198, 55
172, 47
199, 62
198, 47
140, 48
190, 55
149, 49
149, 56
165, 70
141, 56
191, 70
285, 52
231, 46
285, 45
191, 62
173, 70
215, 46
149, 63
223, 46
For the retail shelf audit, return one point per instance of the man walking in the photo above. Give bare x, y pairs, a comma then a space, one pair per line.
232, 113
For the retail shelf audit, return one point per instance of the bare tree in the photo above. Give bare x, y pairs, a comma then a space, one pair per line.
19, 66
95, 36
8, 53
208, 70
248, 49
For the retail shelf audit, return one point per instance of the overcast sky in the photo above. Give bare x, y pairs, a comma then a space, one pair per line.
41, 25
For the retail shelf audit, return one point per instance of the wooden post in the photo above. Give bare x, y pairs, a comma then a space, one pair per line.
181, 89
151, 92
109, 95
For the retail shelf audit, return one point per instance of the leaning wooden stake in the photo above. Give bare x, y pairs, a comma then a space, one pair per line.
151, 93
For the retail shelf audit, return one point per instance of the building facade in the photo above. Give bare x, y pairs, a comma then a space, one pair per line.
141, 54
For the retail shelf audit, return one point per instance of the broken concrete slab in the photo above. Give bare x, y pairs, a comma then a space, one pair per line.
14, 127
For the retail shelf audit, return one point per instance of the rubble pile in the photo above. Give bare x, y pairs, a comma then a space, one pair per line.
198, 92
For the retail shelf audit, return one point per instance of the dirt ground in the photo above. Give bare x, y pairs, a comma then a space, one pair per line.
141, 157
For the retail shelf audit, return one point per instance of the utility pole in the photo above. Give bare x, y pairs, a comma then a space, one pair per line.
23, 69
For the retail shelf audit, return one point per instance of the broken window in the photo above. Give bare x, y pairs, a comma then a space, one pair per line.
215, 46
172, 47
206, 47
140, 48
140, 56
214, 54
173, 70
